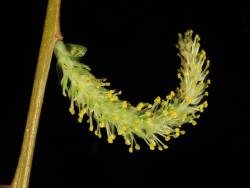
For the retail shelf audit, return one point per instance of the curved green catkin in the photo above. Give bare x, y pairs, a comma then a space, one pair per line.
155, 123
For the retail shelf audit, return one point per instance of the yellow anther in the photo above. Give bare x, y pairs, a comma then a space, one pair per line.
101, 125
160, 148
127, 142
157, 100
165, 147
165, 113
96, 132
153, 143
124, 104
81, 114
72, 110
136, 129
79, 119
152, 147
140, 106
177, 134
177, 130
208, 81
205, 104
188, 99
109, 95
183, 132
119, 132
172, 93
149, 121
124, 128
137, 147
148, 113
179, 75
167, 138
167, 132
194, 123
64, 94
113, 136
110, 140
114, 98
174, 114
197, 116
91, 128
99, 135
184, 117
150, 106
130, 149
197, 37
105, 84
206, 93
199, 69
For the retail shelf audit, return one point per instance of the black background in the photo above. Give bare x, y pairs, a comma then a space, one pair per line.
133, 45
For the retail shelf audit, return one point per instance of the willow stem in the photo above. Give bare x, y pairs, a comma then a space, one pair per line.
51, 34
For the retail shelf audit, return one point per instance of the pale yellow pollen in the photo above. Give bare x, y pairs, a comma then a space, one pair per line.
150, 106
120, 132
124, 104
179, 75
157, 100
172, 93
205, 104
167, 138
91, 127
188, 99
194, 123
148, 113
64, 94
113, 136
127, 142
140, 106
153, 143
183, 132
152, 147
71, 109
174, 114
177, 129
81, 114
114, 98
160, 148
110, 140
165, 147
208, 81
130, 150
137, 147
110, 93
167, 132
177, 134
99, 135
101, 125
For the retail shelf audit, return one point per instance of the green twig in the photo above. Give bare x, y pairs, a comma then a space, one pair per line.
51, 34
